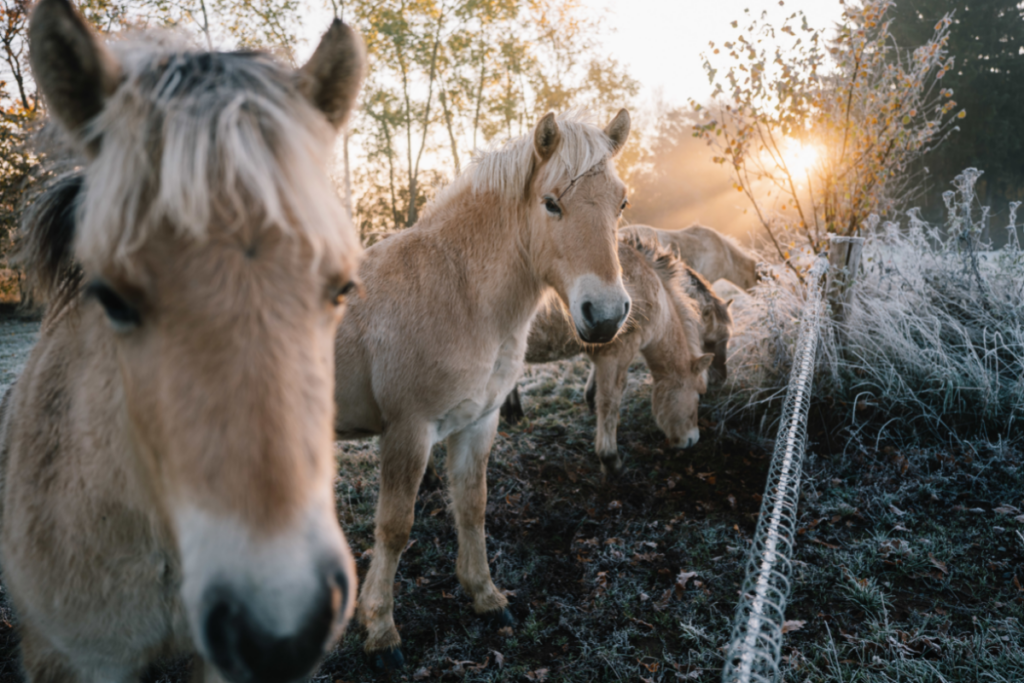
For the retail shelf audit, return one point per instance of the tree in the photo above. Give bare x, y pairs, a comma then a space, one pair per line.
449, 75
987, 37
864, 108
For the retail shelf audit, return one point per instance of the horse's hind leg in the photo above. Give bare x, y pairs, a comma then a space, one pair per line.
610, 373
404, 451
468, 452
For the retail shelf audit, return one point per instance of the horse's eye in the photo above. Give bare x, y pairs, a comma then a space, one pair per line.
625, 205
123, 317
552, 206
340, 294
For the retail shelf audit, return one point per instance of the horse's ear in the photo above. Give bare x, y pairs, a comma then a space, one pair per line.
618, 130
333, 76
546, 137
703, 363
74, 70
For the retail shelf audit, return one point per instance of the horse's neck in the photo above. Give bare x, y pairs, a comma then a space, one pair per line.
490, 239
667, 350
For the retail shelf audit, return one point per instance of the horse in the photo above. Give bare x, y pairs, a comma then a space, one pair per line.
665, 325
166, 456
707, 251
437, 339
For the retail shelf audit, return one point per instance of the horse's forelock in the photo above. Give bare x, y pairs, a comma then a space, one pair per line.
192, 137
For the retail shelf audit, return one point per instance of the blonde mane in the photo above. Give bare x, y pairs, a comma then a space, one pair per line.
189, 138
507, 170
671, 271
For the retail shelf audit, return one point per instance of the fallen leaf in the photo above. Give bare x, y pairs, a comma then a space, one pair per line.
705, 476
1005, 509
421, 673
539, 675
505, 632
1019, 518
436, 511
1016, 583
682, 578
499, 658
614, 505
788, 626
827, 545
941, 566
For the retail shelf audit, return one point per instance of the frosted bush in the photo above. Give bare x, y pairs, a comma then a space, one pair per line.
934, 337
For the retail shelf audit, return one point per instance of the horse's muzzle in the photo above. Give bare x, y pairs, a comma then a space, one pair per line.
600, 325
247, 651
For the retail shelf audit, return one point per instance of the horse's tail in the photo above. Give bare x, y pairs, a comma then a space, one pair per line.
46, 242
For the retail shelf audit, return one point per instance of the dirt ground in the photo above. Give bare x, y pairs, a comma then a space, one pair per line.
910, 560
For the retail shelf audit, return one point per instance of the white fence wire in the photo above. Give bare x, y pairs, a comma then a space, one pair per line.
755, 647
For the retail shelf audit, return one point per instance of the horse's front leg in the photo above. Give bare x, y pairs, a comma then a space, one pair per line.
609, 374
468, 452
404, 451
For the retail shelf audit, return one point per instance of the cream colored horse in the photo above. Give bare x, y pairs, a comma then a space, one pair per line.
664, 325
707, 251
166, 457
437, 341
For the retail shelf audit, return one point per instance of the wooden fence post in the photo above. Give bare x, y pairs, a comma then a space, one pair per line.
844, 262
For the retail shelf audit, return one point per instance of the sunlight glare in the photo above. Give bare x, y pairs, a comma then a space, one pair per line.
800, 158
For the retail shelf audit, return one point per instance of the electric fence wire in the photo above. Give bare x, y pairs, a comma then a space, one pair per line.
755, 647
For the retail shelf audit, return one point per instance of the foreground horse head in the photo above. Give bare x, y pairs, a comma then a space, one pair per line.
573, 219
213, 258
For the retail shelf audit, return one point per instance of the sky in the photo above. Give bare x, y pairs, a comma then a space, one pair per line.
660, 41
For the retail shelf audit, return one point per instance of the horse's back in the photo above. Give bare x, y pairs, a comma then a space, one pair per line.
707, 251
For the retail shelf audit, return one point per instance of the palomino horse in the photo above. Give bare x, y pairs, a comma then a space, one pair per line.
664, 325
437, 340
166, 456
707, 251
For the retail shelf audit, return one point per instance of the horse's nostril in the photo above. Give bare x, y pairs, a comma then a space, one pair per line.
625, 311
243, 649
588, 312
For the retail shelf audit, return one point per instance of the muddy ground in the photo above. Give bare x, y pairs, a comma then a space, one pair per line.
909, 563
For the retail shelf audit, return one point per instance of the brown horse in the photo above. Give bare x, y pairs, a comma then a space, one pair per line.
664, 325
707, 251
437, 340
166, 457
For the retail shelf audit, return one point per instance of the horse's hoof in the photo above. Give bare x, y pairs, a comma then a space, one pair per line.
386, 661
499, 619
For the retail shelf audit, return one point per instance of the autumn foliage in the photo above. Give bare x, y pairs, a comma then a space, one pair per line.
866, 107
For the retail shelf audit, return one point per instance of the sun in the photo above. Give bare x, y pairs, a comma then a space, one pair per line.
800, 158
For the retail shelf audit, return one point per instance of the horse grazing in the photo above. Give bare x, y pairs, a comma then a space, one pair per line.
664, 325
166, 457
437, 339
707, 251
715, 317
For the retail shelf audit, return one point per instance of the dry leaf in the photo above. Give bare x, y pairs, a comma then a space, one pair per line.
505, 632
614, 505
539, 675
827, 545
682, 578
788, 626
941, 566
896, 511
1005, 509
499, 658
421, 673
